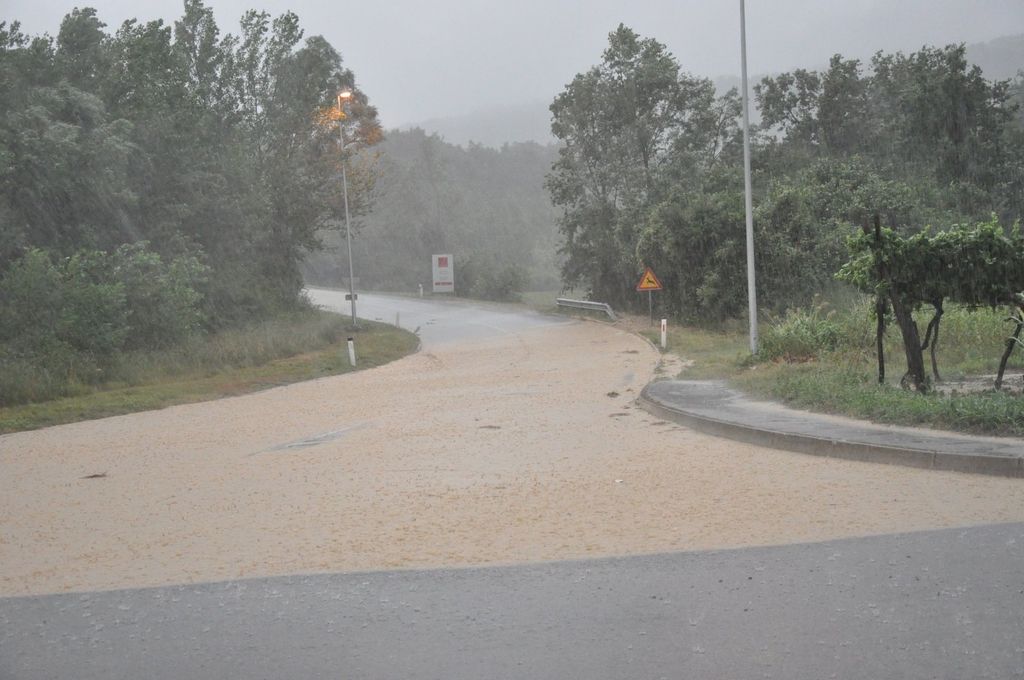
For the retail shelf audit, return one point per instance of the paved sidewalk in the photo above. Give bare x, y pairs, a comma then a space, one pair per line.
711, 407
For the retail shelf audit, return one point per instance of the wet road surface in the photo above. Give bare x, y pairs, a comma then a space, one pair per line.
942, 604
438, 321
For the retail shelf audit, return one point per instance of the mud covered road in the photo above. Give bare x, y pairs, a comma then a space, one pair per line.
510, 437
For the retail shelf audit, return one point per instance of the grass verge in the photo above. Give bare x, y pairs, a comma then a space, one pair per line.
835, 371
714, 353
270, 354
850, 390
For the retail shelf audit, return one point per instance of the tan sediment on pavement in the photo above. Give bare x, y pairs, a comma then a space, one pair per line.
496, 451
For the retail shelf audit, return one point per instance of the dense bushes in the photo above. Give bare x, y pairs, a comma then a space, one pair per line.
801, 335
972, 338
66, 321
163, 299
486, 277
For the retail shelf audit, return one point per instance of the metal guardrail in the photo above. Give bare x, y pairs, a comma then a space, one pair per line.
586, 304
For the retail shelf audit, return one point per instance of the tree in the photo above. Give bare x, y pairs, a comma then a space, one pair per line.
972, 265
629, 127
81, 55
790, 103
67, 184
928, 118
202, 146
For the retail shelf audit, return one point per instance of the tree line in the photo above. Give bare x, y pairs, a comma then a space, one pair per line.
650, 170
161, 180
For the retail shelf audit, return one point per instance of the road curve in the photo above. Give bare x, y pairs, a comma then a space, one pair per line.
505, 441
439, 321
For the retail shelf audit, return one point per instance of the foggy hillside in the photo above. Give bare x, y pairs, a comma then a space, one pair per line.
526, 122
486, 206
1001, 58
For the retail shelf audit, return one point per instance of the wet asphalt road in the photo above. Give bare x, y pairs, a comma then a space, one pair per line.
439, 321
943, 604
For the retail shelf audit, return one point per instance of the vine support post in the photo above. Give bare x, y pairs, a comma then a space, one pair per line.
931, 336
1011, 342
904, 313
880, 306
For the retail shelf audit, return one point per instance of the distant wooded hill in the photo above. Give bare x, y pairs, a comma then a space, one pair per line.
526, 122
1000, 59
486, 206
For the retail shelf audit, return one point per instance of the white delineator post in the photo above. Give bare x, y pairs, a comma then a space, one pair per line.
351, 352
664, 333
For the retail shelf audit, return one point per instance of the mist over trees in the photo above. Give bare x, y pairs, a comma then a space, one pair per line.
485, 206
650, 170
158, 180
1002, 58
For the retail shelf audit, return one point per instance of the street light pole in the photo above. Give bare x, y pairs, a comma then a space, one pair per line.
344, 188
751, 287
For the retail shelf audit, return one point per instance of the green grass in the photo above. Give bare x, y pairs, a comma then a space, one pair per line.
714, 353
840, 375
851, 390
277, 352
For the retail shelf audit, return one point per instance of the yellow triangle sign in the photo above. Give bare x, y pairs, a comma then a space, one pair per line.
648, 281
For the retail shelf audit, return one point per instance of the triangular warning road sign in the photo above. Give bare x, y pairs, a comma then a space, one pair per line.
648, 281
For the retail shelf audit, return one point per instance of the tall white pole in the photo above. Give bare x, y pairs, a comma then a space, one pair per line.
348, 228
751, 287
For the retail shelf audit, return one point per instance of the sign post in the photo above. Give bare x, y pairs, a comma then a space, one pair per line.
650, 283
444, 273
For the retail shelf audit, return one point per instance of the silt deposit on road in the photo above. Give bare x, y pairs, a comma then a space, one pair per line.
506, 449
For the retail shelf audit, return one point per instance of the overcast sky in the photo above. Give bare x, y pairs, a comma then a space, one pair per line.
426, 59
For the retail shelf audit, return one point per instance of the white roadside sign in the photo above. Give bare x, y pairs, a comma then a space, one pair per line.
444, 274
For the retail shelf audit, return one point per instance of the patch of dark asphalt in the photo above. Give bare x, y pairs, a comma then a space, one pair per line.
938, 604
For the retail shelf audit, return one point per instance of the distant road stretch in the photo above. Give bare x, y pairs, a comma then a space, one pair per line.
437, 322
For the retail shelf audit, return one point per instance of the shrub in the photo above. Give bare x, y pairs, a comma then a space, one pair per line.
93, 312
801, 335
482, 276
67, 323
30, 303
163, 298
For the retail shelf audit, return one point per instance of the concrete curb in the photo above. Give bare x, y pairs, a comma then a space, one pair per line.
1002, 466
